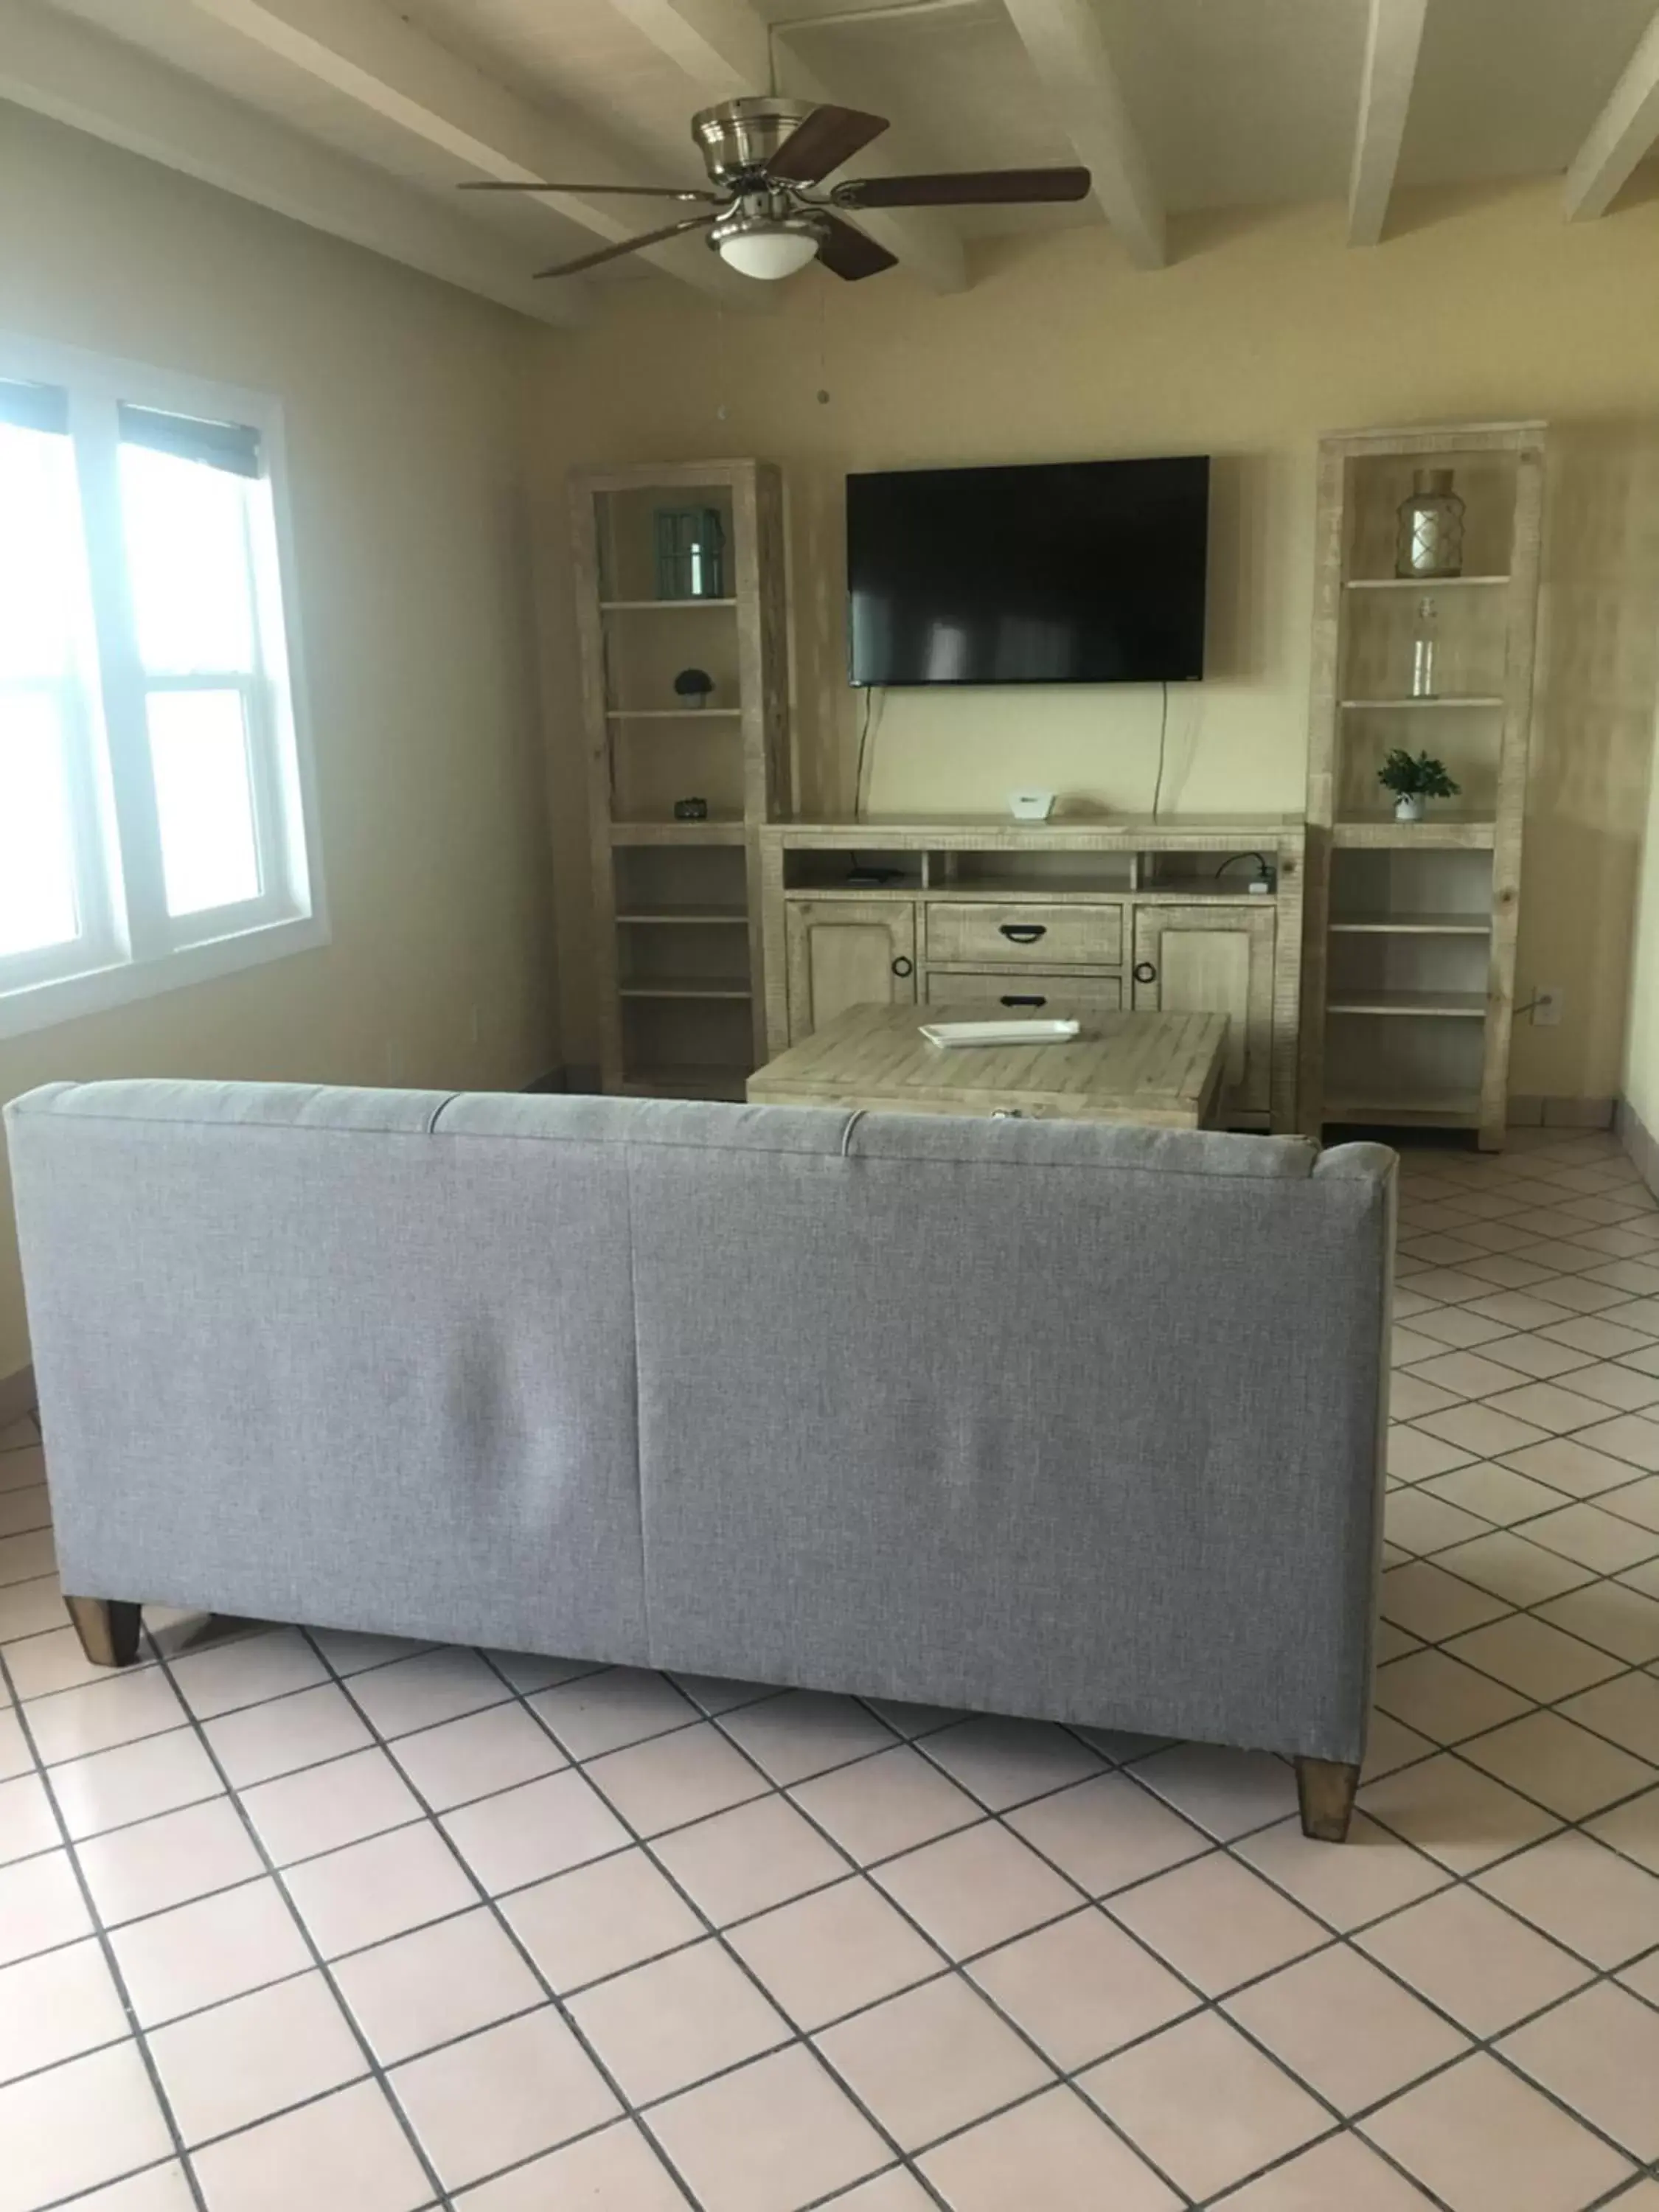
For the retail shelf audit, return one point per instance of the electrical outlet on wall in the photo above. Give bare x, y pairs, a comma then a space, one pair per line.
1546, 1006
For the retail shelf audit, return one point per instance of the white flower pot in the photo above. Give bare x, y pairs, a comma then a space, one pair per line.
1409, 809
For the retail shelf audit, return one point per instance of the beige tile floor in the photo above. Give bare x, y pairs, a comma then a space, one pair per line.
294, 1919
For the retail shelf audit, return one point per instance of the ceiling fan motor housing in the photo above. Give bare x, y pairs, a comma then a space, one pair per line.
739, 137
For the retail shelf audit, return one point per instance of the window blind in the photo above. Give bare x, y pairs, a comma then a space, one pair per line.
35, 406
230, 445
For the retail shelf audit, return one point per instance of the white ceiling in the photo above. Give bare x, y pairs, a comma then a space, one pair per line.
1209, 103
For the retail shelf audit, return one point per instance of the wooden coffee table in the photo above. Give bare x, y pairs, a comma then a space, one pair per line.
1161, 1069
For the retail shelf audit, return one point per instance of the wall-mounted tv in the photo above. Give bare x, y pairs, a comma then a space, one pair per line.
1078, 572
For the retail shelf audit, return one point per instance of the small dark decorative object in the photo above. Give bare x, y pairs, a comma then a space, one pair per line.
695, 684
1413, 777
690, 810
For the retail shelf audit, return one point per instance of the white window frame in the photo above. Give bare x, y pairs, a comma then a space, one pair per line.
129, 946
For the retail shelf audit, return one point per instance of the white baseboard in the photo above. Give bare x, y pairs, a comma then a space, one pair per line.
16, 1396
1639, 1141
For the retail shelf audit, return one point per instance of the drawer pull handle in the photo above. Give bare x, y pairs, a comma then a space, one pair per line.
1025, 998
903, 966
1023, 933
1145, 972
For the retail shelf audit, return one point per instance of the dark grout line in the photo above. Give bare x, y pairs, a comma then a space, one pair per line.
1084, 1906
421, 1818
797, 2038
87, 2195
34, 1528
1085, 1903
959, 1967
505, 1925
1626, 1669
321, 1964
112, 1964
842, 2190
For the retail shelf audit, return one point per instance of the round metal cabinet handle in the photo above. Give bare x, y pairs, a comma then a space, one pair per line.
903, 966
1145, 972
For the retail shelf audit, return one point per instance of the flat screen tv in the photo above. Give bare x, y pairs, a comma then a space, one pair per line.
1078, 572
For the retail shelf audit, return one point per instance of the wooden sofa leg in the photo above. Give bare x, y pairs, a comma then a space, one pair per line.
108, 1628
1325, 1789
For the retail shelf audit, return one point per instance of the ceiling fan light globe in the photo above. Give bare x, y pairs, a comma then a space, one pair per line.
768, 252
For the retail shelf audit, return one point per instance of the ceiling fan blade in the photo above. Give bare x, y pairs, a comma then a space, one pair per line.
847, 251
964, 188
634, 191
828, 136
627, 246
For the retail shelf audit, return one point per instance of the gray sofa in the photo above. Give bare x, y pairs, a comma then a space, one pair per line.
1037, 1418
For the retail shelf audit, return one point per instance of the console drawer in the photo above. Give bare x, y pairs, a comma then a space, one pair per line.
989, 929
1022, 992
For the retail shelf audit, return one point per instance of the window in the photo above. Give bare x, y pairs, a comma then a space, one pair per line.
155, 803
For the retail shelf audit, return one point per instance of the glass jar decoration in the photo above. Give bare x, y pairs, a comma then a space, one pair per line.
1430, 542
690, 553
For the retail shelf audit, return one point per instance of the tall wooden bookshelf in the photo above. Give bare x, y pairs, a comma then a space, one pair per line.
1409, 965
677, 929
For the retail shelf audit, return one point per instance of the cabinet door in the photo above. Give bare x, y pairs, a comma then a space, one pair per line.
848, 952
1215, 960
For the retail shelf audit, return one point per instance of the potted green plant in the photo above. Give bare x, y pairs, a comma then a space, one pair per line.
1412, 778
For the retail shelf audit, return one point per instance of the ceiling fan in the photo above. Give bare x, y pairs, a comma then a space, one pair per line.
767, 159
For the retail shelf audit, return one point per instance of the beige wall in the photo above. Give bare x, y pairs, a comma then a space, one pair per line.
1266, 331
404, 409
1642, 1054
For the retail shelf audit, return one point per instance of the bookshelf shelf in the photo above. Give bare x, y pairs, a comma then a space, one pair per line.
1411, 925
715, 830
1437, 1005
673, 916
685, 987
1416, 704
1420, 584
1440, 833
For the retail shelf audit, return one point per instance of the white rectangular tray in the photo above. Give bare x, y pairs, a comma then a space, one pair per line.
984, 1033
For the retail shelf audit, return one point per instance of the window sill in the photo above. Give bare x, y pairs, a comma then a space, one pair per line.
71, 997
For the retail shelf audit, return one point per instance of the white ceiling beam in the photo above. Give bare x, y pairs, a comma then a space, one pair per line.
1619, 136
722, 47
1069, 52
368, 52
62, 69
1394, 42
